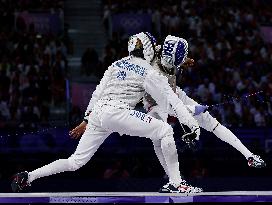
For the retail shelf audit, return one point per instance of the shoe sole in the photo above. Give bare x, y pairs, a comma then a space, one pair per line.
169, 192
261, 166
178, 192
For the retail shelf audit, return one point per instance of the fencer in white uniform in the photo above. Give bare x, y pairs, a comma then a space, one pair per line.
111, 109
167, 65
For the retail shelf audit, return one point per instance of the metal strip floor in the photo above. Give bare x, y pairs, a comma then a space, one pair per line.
135, 197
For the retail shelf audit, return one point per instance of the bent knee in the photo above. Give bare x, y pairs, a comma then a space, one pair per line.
168, 137
168, 143
166, 130
156, 143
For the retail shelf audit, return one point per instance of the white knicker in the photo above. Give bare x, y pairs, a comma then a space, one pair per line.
106, 119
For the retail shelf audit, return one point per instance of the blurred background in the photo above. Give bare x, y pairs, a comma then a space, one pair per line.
53, 53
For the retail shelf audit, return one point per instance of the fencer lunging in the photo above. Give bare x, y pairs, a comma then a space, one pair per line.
111, 109
168, 67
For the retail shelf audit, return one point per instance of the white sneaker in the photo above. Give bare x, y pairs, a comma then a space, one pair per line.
255, 161
183, 187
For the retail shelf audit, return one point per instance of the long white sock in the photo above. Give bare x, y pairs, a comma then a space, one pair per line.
226, 135
158, 151
171, 158
55, 167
